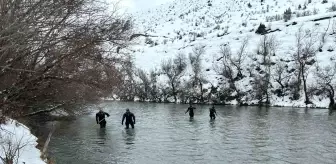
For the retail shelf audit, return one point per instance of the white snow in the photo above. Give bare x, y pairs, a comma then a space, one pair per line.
186, 17
20, 135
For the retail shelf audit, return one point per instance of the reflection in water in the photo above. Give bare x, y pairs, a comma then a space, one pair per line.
101, 135
212, 124
129, 136
165, 135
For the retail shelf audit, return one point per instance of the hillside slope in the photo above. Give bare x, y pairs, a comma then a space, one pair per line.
182, 25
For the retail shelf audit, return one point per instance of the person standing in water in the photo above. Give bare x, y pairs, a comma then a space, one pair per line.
191, 111
213, 112
100, 118
130, 119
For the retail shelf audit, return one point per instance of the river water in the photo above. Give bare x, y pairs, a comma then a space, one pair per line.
163, 134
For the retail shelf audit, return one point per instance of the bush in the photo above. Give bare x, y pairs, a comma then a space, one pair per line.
149, 41
261, 29
249, 5
324, 1
287, 14
333, 7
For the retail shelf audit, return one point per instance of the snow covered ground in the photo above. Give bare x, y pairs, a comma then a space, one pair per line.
16, 135
183, 24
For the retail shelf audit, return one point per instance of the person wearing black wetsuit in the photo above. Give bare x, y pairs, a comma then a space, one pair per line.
191, 111
100, 118
213, 113
130, 119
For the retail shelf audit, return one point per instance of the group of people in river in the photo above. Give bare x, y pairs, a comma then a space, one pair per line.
130, 118
212, 111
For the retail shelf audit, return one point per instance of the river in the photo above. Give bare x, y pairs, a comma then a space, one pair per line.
163, 134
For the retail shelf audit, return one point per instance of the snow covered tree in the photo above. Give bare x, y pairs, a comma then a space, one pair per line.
267, 48
230, 67
197, 78
303, 55
127, 88
325, 78
143, 86
282, 77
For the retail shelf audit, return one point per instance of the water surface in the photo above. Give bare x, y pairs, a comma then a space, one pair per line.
163, 134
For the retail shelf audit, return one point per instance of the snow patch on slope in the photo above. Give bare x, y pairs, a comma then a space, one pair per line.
20, 135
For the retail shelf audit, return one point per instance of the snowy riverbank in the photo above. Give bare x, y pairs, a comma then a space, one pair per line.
17, 138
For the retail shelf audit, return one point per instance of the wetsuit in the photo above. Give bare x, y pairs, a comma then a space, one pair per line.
191, 111
212, 113
130, 119
100, 118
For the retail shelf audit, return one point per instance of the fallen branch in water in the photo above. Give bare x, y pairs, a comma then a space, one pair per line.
43, 111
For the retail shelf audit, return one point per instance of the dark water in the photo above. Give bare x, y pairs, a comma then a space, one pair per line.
163, 134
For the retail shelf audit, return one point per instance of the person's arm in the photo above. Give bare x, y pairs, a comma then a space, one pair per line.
133, 118
122, 122
108, 115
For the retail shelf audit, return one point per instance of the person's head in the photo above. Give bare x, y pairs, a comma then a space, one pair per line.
127, 110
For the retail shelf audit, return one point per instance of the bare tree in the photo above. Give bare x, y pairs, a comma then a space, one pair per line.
174, 69
267, 48
58, 53
154, 93
303, 54
127, 87
11, 147
281, 77
325, 78
230, 67
197, 78
143, 86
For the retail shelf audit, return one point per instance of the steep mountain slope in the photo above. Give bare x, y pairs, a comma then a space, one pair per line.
180, 26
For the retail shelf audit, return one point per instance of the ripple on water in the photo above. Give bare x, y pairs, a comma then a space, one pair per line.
164, 134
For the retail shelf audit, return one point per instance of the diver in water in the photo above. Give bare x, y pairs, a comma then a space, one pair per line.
130, 119
100, 118
191, 111
213, 112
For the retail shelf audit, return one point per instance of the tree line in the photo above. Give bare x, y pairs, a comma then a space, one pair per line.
266, 75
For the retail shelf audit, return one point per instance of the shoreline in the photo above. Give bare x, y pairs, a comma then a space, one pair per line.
239, 105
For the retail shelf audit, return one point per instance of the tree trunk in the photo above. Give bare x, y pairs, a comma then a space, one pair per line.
282, 86
201, 86
174, 92
331, 97
305, 86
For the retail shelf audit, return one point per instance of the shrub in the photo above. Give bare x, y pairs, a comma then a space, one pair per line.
333, 7
287, 14
149, 41
261, 29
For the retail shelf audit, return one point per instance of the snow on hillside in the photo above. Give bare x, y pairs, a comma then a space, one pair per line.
183, 24
15, 135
